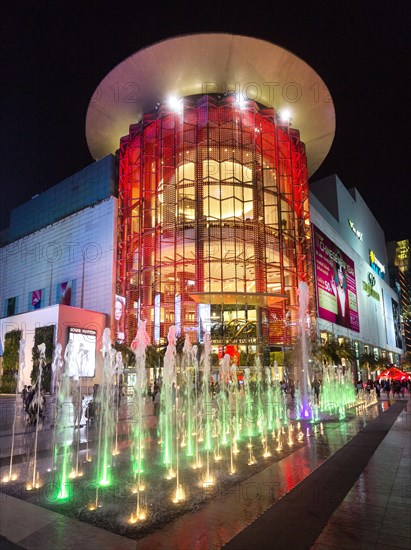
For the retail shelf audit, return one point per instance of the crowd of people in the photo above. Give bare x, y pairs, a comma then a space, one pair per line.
398, 388
34, 402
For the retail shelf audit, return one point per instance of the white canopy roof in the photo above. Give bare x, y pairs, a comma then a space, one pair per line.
211, 63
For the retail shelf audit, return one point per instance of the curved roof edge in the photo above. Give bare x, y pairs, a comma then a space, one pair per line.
212, 63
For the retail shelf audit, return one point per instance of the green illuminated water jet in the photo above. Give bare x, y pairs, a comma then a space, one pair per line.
106, 421
63, 439
139, 346
337, 392
167, 403
196, 427
206, 406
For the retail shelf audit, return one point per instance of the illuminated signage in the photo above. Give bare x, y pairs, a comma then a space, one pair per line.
335, 283
119, 317
369, 287
83, 352
356, 232
376, 265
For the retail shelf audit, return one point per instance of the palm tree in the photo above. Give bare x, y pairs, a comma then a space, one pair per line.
346, 351
327, 353
335, 353
370, 362
154, 357
405, 361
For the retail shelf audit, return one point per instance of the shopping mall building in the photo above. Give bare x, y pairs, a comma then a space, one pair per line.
197, 213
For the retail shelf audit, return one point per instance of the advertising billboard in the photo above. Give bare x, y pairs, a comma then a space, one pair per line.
36, 296
83, 356
119, 316
397, 323
64, 293
392, 322
335, 283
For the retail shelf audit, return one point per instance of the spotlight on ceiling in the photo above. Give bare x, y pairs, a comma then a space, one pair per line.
285, 116
175, 103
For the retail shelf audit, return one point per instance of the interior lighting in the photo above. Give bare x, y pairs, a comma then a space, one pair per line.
175, 104
240, 101
285, 115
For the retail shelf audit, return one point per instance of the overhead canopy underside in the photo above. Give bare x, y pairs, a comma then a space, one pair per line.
212, 63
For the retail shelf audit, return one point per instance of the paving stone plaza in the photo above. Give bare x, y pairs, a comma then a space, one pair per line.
346, 486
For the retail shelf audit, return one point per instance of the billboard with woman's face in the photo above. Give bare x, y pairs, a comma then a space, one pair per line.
82, 342
335, 283
119, 313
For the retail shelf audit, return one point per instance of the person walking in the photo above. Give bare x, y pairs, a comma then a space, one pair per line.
77, 402
377, 388
387, 388
24, 393
316, 386
157, 402
292, 389
403, 387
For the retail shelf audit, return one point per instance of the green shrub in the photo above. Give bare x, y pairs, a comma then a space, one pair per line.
8, 383
43, 335
10, 361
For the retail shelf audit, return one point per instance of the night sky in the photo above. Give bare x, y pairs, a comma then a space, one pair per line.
53, 56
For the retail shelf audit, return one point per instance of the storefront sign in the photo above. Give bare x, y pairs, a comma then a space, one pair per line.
369, 287
356, 232
83, 344
376, 265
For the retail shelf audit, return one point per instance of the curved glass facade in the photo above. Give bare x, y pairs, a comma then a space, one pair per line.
214, 230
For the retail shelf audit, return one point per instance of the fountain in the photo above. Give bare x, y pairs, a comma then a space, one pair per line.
11, 476
189, 425
77, 401
37, 403
118, 369
337, 392
56, 367
223, 402
298, 406
138, 346
194, 362
63, 417
206, 407
198, 441
303, 298
106, 424
167, 403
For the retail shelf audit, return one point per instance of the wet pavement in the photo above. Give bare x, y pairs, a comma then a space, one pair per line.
302, 518
376, 512
348, 487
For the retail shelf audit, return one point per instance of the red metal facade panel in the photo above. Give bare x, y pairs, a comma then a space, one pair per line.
213, 200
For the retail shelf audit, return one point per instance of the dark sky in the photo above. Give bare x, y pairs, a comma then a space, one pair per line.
54, 54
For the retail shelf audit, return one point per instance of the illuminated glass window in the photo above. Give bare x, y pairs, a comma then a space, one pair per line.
214, 230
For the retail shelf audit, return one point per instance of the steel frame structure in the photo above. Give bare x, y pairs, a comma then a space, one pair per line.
213, 221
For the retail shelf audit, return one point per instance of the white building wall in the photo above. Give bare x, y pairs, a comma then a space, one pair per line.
375, 316
80, 248
338, 205
353, 207
62, 317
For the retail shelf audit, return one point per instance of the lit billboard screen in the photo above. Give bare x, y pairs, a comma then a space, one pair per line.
392, 322
83, 356
335, 283
119, 316
397, 323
